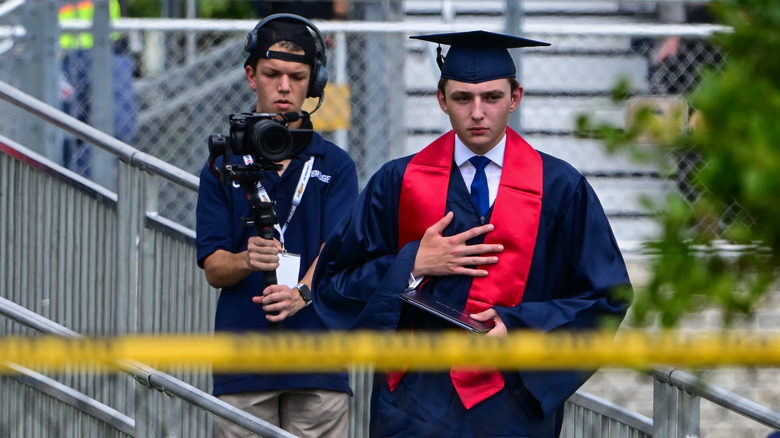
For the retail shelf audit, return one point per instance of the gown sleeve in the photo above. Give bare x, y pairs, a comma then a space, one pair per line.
362, 271
341, 193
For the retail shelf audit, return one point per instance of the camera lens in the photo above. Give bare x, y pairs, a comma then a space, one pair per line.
272, 140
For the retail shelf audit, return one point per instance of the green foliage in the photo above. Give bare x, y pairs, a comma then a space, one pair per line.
206, 9
737, 182
144, 8
225, 9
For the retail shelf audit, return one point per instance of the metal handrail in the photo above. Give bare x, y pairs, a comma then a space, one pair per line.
721, 397
610, 410
99, 138
151, 377
557, 28
70, 396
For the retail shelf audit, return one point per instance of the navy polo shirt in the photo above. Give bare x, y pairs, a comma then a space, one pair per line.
329, 194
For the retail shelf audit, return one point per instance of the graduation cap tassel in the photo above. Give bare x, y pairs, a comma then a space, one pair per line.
439, 58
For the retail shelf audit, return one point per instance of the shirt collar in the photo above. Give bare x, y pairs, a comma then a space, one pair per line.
463, 153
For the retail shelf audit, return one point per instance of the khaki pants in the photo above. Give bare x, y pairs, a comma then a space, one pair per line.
302, 412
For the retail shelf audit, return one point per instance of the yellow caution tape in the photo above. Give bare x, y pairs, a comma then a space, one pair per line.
438, 351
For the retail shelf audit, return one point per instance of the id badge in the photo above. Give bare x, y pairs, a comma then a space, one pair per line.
289, 267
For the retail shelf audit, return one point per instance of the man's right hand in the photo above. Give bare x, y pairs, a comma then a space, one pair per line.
439, 255
225, 269
263, 254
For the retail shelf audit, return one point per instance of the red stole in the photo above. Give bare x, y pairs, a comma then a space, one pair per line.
516, 213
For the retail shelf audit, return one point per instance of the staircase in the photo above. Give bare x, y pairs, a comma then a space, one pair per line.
574, 76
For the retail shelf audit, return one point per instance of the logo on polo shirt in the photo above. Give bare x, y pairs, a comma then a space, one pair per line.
317, 174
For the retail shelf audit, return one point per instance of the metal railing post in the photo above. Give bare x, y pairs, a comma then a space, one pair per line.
41, 73
513, 24
676, 411
129, 222
147, 403
690, 412
130, 215
663, 410
103, 165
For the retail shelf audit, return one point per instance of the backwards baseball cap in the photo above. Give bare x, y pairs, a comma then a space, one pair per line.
477, 56
275, 29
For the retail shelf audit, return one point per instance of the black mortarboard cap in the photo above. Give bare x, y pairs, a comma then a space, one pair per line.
478, 56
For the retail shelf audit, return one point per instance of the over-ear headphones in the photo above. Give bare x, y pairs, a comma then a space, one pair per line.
319, 72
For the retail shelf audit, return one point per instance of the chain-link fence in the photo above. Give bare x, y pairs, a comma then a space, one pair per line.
176, 81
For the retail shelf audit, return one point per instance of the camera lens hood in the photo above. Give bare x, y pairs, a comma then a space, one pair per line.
271, 140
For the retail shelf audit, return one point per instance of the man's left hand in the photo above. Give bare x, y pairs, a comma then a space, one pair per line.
279, 302
487, 315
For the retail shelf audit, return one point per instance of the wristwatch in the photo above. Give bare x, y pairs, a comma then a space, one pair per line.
305, 293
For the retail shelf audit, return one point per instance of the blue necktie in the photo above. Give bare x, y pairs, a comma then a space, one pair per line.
479, 186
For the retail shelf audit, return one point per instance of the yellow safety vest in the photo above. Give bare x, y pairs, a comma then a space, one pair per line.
83, 10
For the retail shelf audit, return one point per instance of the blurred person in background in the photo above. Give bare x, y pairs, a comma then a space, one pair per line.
310, 193
76, 83
674, 62
477, 221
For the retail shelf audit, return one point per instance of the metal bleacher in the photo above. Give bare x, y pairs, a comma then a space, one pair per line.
574, 76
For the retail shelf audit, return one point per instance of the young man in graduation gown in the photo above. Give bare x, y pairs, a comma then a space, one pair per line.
483, 222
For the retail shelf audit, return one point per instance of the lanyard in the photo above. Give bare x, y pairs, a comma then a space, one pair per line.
297, 196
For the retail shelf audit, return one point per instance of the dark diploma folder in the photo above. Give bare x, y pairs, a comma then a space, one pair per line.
430, 304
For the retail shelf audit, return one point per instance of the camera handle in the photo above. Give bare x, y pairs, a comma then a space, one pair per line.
263, 218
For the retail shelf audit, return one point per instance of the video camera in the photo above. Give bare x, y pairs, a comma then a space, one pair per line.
262, 136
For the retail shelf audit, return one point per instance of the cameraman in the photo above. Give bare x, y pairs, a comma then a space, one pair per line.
285, 51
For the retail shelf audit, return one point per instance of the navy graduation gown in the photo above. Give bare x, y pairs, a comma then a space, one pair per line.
576, 263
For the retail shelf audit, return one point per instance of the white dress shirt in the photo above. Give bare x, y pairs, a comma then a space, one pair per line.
492, 170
